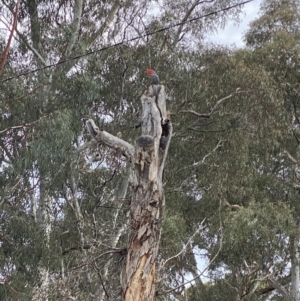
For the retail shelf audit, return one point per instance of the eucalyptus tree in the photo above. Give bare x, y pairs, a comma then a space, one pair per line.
258, 181
224, 179
274, 39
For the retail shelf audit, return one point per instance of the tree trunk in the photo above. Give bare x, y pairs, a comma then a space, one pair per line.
295, 269
294, 245
41, 292
147, 201
148, 158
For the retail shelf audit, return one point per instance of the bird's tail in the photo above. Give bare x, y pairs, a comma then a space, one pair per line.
156, 90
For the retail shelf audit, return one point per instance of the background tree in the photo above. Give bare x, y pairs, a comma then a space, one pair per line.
261, 233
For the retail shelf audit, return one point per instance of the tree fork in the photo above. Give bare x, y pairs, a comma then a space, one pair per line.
148, 158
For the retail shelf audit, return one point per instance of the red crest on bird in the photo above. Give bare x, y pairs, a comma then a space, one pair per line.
150, 71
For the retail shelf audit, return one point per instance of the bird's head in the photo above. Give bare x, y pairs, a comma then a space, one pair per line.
150, 71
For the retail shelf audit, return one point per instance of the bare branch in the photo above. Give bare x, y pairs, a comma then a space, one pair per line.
278, 287
23, 125
35, 52
108, 20
219, 144
185, 246
77, 13
194, 113
233, 207
292, 159
101, 280
274, 284
185, 18
110, 140
214, 108
209, 264
6, 50
90, 144
220, 101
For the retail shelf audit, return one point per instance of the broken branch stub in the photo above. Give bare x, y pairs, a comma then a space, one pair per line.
110, 140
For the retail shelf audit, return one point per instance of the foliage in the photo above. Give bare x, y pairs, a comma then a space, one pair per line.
227, 172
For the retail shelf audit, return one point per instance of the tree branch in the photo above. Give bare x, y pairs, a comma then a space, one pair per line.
214, 108
34, 24
110, 140
194, 113
109, 19
185, 18
278, 287
23, 125
292, 159
219, 144
89, 144
77, 13
185, 246
35, 52
101, 280
209, 264
6, 50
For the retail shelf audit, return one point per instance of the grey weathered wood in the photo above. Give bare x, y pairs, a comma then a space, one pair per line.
148, 158
110, 140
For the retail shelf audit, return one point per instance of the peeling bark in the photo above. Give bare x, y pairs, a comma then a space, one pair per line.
147, 204
147, 201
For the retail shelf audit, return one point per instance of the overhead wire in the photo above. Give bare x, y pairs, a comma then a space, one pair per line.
124, 42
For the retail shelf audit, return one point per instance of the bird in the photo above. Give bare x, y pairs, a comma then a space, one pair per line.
154, 79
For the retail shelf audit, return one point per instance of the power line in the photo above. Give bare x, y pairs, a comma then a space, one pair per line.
124, 42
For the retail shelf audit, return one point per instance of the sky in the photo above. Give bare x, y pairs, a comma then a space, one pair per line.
232, 34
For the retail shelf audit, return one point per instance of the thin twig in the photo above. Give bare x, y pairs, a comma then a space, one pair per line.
23, 125
183, 249
101, 280
213, 109
209, 264
220, 144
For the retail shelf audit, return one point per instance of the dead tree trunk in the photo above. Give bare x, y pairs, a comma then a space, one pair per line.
148, 158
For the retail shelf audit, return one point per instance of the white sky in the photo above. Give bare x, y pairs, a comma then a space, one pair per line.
233, 33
